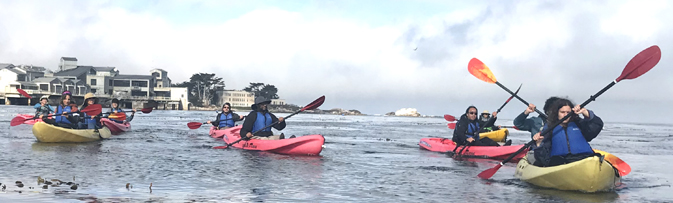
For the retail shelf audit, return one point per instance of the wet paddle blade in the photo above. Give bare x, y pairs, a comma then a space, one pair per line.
622, 167
481, 71
24, 93
449, 118
194, 125
452, 126
93, 109
641, 63
118, 116
488, 173
315, 104
220, 147
17, 121
146, 110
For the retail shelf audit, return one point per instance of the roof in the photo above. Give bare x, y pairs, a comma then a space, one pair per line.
129, 77
69, 58
159, 69
27, 83
104, 69
16, 70
32, 68
74, 72
5, 65
45, 80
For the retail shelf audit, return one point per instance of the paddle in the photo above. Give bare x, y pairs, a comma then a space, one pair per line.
452, 126
449, 118
117, 116
639, 65
622, 167
24, 93
94, 109
482, 72
313, 105
506, 126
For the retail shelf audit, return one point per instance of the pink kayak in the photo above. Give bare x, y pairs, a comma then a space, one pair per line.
116, 128
304, 145
31, 121
488, 152
216, 133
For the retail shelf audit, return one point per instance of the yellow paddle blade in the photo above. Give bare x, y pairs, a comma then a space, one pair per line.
117, 116
481, 71
622, 167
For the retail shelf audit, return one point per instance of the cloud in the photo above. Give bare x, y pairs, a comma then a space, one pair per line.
567, 48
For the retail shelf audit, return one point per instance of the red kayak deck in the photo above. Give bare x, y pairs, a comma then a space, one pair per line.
488, 152
28, 116
304, 145
216, 133
115, 128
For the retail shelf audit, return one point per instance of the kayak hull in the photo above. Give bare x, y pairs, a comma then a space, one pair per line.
48, 133
488, 152
497, 135
28, 116
304, 145
116, 128
587, 175
218, 134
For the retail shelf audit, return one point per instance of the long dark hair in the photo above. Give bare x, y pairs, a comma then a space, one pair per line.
556, 106
60, 103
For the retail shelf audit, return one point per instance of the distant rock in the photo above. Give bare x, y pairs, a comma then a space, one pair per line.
407, 112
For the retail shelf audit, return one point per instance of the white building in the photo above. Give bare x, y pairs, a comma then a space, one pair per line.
237, 98
278, 102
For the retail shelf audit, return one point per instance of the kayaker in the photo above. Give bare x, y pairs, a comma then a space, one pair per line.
114, 108
484, 119
89, 121
226, 119
467, 127
259, 118
569, 141
533, 124
43, 108
64, 120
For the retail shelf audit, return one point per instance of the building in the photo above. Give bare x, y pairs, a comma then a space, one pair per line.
279, 102
161, 76
237, 98
133, 86
67, 63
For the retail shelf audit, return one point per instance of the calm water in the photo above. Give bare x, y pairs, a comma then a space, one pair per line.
366, 159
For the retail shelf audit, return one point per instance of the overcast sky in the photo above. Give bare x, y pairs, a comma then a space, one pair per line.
374, 56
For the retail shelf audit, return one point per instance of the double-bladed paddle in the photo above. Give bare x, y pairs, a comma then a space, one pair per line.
637, 66
93, 109
451, 118
24, 93
313, 105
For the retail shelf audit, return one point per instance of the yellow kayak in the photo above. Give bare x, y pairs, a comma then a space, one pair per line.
48, 133
588, 175
498, 135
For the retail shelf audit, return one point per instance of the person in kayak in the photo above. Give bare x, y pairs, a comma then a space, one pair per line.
484, 119
65, 120
259, 118
467, 130
226, 119
89, 121
43, 108
533, 124
114, 108
569, 141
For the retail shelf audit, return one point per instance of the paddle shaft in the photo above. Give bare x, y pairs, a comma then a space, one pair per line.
510, 98
544, 116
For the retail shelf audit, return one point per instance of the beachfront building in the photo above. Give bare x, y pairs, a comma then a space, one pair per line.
237, 98
278, 102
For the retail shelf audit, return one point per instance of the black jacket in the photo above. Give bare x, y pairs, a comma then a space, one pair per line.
250, 121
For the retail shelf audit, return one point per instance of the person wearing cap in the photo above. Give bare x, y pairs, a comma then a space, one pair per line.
258, 119
467, 128
89, 121
488, 123
114, 108
64, 109
226, 119
43, 108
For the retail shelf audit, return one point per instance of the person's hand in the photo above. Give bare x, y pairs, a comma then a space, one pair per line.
495, 114
208, 122
41, 116
530, 109
134, 110
248, 135
281, 119
538, 138
469, 139
582, 111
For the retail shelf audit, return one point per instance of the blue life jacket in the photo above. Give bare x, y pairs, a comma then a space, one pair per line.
59, 111
262, 121
471, 128
227, 123
568, 141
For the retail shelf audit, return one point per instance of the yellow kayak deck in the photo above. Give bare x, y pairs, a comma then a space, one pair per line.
48, 133
498, 135
588, 175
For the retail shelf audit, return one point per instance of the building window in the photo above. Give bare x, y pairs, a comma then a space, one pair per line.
139, 83
122, 83
93, 81
93, 91
44, 87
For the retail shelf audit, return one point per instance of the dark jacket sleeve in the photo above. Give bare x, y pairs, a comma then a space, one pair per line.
248, 123
279, 126
216, 122
490, 122
236, 117
520, 122
591, 126
461, 127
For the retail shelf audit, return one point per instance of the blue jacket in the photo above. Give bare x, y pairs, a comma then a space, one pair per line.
62, 119
39, 110
226, 120
252, 120
589, 128
533, 124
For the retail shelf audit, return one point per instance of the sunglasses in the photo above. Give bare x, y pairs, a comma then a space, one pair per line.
226, 107
473, 113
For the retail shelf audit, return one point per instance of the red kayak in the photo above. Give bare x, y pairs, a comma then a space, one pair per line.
216, 133
304, 145
488, 152
116, 128
28, 116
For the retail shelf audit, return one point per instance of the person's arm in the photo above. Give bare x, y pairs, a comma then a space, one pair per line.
248, 123
591, 126
236, 117
461, 127
279, 126
520, 122
216, 122
37, 106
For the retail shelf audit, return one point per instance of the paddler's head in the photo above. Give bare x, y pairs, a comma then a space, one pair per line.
559, 109
471, 113
89, 99
226, 108
548, 103
262, 103
485, 116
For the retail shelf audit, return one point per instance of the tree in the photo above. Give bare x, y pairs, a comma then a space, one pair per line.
260, 89
202, 87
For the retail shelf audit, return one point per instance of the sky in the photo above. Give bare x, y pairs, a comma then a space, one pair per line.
375, 56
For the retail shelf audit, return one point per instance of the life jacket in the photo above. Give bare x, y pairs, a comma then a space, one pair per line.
42, 110
262, 121
62, 119
568, 140
471, 128
119, 110
224, 122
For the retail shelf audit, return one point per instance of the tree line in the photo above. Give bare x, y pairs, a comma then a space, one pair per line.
203, 88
